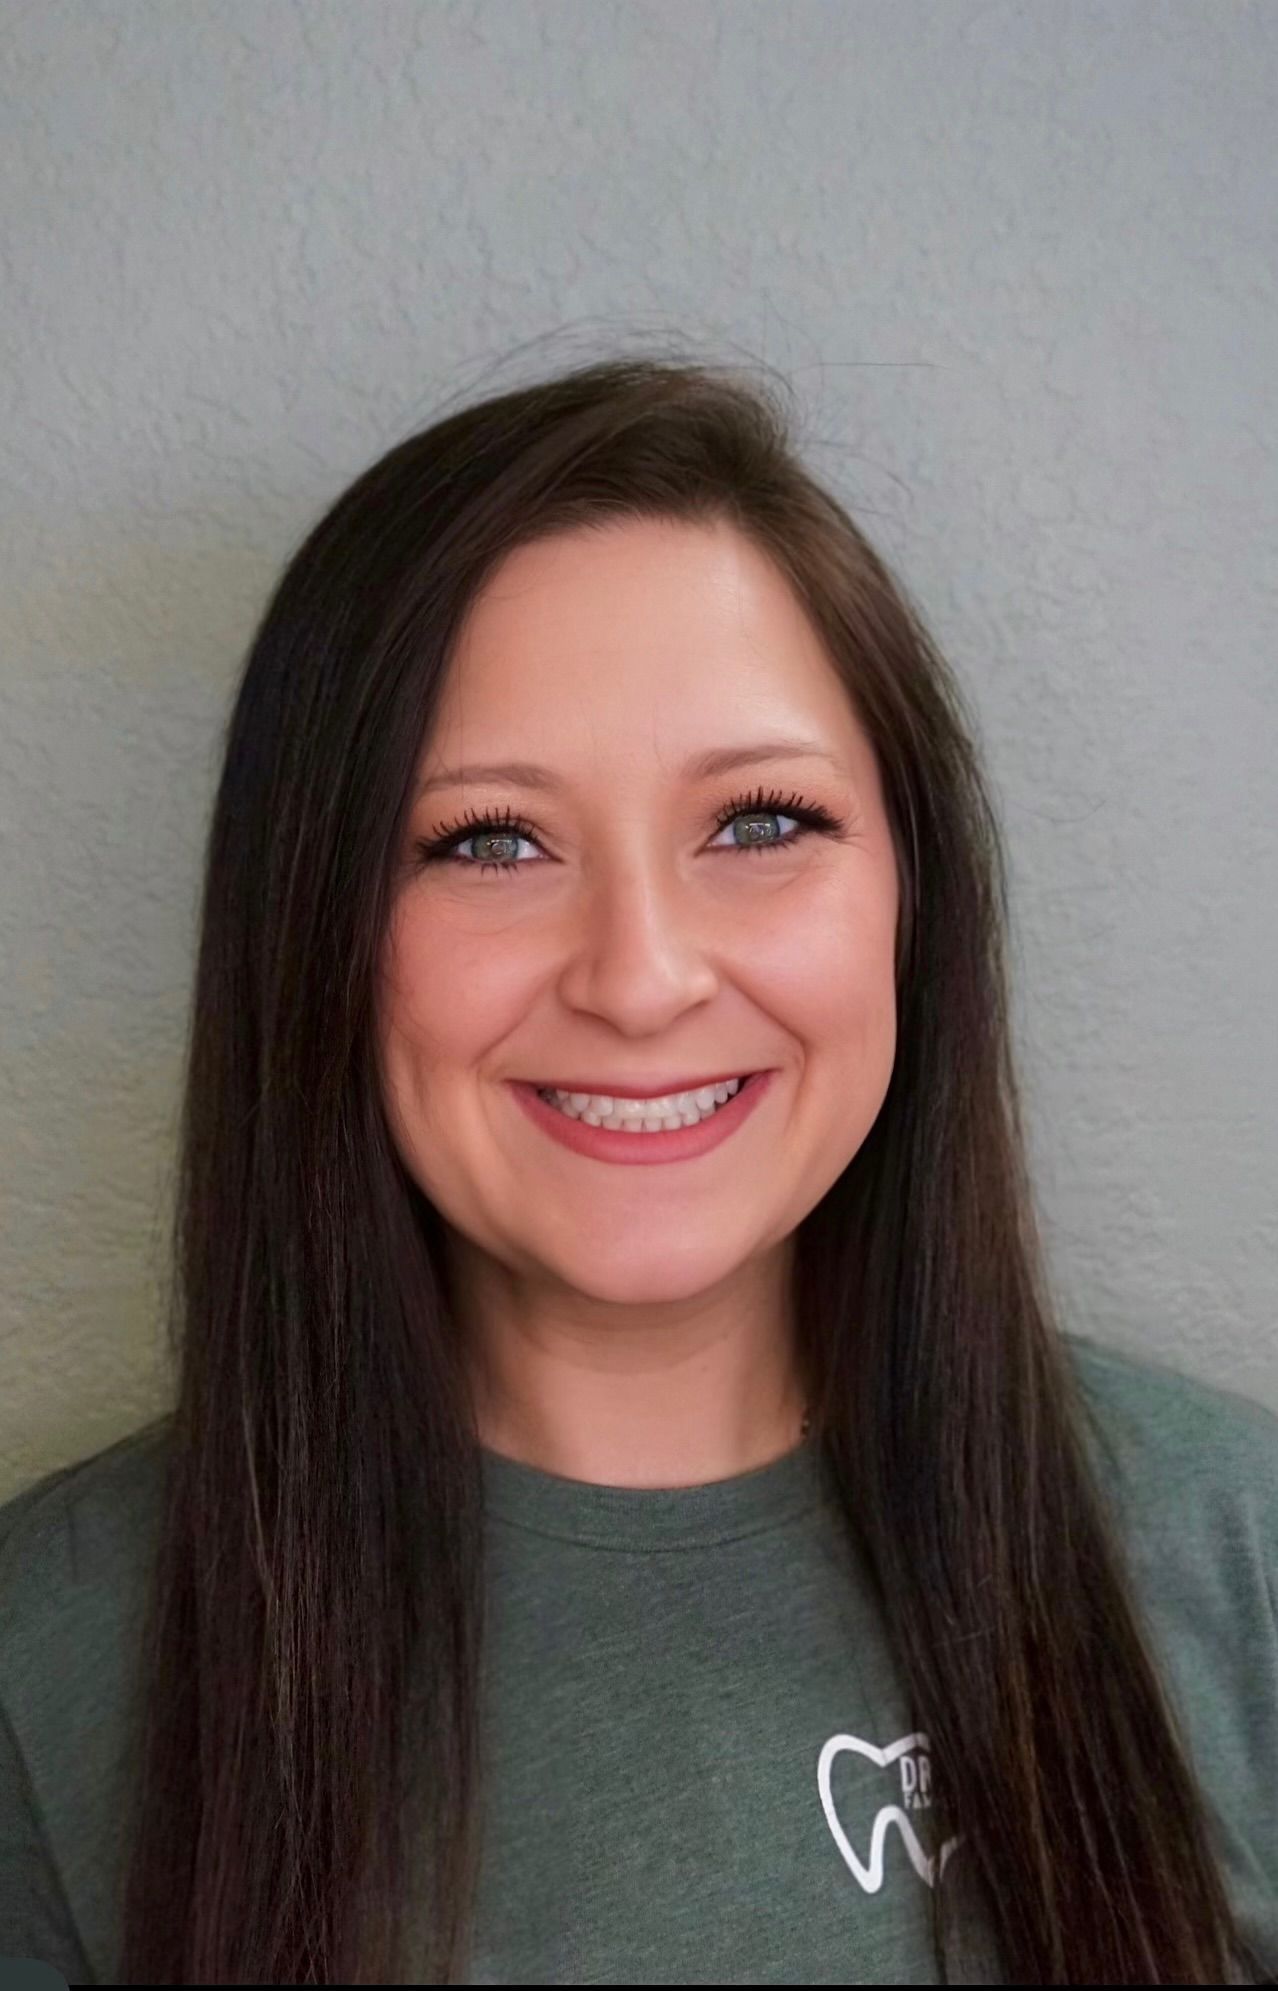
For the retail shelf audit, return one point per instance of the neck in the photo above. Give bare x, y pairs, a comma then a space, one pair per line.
663, 1392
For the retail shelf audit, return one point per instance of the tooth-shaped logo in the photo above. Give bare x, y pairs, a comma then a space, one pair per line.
911, 1752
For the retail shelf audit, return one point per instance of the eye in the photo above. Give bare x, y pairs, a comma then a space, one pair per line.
810, 817
489, 827
502, 828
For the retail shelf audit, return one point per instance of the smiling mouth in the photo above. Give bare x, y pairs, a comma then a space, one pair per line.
633, 1094
650, 1114
660, 1128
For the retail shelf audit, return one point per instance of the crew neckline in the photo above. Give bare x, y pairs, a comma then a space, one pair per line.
643, 1517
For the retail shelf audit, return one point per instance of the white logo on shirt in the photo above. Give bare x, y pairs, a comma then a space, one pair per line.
911, 1751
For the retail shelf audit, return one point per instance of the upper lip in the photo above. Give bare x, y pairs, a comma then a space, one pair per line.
648, 1087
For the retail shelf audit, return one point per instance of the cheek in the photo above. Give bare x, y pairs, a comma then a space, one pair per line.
822, 965
830, 977
449, 994
420, 1031
446, 998
836, 997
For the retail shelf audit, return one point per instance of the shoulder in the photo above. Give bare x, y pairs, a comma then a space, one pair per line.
1159, 1432
71, 1518
75, 1555
1190, 1470
1150, 1392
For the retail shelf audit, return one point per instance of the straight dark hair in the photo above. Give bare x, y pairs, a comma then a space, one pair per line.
310, 1760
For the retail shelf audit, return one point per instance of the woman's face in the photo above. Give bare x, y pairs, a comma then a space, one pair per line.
635, 937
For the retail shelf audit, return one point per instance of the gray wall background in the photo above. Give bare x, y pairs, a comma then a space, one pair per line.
1019, 261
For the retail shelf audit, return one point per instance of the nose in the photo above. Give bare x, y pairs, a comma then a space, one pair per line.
639, 952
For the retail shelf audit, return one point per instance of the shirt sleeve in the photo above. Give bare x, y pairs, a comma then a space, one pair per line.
34, 1918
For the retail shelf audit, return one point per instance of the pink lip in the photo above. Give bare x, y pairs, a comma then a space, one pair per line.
607, 1144
648, 1087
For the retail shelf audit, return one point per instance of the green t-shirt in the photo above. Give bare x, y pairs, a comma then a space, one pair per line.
698, 1764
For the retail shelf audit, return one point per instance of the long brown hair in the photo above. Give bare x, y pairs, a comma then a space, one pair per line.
316, 1622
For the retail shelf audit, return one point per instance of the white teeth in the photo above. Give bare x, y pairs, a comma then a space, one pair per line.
652, 1116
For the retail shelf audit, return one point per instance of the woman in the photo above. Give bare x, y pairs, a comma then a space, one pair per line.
606, 1538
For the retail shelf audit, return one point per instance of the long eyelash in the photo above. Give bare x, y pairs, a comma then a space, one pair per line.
810, 814
440, 845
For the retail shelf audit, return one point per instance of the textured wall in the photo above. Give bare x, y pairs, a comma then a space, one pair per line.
1020, 261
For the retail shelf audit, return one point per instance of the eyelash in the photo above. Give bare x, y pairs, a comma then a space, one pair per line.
811, 817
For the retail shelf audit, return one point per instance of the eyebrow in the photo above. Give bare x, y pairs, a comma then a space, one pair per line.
719, 760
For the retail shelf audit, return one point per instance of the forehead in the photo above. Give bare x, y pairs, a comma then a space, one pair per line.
631, 636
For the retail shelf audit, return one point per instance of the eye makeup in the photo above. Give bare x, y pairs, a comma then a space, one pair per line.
812, 817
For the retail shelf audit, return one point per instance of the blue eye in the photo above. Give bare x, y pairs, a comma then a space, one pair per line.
503, 827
